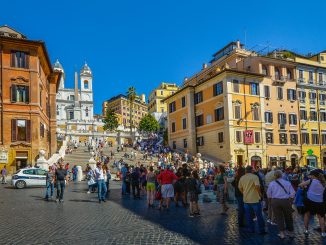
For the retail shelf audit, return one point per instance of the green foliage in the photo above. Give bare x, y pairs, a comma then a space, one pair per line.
110, 121
148, 124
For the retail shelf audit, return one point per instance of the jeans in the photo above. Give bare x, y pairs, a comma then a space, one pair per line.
241, 210
257, 209
101, 188
74, 177
124, 186
61, 185
49, 189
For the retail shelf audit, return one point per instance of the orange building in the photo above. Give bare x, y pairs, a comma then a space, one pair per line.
28, 100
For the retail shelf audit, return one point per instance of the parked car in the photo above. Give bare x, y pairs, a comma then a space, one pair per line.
27, 177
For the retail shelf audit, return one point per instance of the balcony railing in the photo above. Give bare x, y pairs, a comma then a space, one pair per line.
301, 80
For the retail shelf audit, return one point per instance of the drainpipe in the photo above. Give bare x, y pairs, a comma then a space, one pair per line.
1, 86
319, 129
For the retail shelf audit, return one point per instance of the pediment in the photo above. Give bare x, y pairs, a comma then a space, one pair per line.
19, 144
19, 79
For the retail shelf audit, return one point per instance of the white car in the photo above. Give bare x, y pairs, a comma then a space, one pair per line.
27, 177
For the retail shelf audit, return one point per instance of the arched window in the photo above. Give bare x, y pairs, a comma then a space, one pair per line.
264, 70
86, 84
277, 74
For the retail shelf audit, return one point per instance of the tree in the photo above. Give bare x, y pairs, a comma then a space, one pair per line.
148, 124
110, 121
131, 94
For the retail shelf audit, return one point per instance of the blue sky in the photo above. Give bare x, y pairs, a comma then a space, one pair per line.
142, 43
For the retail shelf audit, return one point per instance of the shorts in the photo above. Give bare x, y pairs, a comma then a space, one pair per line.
167, 191
314, 207
150, 186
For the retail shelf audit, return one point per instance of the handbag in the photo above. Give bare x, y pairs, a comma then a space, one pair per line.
91, 182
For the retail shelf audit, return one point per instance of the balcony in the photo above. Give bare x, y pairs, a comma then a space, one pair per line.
301, 80
312, 101
311, 81
279, 80
321, 83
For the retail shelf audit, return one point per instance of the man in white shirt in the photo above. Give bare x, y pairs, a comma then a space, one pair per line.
101, 187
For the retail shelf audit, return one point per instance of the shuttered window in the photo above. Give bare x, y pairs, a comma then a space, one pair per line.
20, 130
19, 59
19, 93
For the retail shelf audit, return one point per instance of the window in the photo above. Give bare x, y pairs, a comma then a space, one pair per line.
283, 138
198, 97
236, 88
29, 172
183, 101
268, 117
86, 84
185, 143
200, 141
269, 138
323, 138
184, 123
323, 116
20, 130
254, 88
315, 138
277, 74
302, 96
174, 145
305, 138
312, 97
320, 78
19, 93
322, 99
218, 89
292, 95
255, 113
264, 70
199, 120
289, 74
281, 118
237, 111
303, 114
173, 127
42, 130
293, 119
219, 114
58, 111
71, 115
313, 116
172, 107
267, 91
161, 92
71, 97
273, 161
220, 137
293, 139
86, 112
311, 77
238, 136
19, 59
257, 137
279, 93
301, 74
41, 97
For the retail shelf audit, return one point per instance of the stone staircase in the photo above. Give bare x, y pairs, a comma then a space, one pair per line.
79, 157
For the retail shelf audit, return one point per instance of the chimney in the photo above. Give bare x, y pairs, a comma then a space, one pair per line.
143, 98
238, 44
204, 66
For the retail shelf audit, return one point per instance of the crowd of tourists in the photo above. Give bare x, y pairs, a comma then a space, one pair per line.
275, 193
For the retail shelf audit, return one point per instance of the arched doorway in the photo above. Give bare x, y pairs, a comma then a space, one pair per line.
294, 160
255, 161
312, 161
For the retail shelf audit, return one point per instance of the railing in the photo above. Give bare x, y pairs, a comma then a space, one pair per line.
301, 80
61, 154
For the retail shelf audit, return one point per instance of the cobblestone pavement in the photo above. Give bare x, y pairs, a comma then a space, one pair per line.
25, 218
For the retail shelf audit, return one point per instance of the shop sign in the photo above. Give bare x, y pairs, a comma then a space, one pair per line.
248, 137
3, 156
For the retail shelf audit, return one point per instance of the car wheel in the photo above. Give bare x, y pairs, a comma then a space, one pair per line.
20, 184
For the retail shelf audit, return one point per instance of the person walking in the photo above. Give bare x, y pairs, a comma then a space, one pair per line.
239, 196
249, 186
166, 179
61, 179
124, 171
222, 187
135, 182
314, 200
150, 186
4, 175
49, 184
74, 173
193, 186
281, 193
90, 179
101, 187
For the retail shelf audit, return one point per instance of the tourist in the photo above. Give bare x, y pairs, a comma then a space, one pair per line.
166, 179
193, 186
90, 179
314, 200
135, 182
74, 173
61, 179
269, 177
101, 187
239, 196
4, 175
222, 187
124, 171
250, 188
281, 193
49, 184
180, 189
150, 187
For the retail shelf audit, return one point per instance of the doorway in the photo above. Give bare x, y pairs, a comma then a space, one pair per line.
239, 160
255, 161
312, 161
21, 159
294, 160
